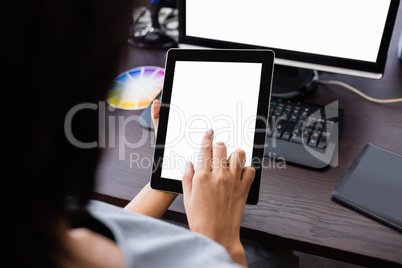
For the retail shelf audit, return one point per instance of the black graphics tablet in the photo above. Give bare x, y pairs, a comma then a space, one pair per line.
373, 185
226, 90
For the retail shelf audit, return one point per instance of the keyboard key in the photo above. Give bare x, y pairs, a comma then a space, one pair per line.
293, 117
302, 117
286, 135
297, 131
296, 138
300, 123
314, 138
319, 127
306, 133
322, 143
285, 115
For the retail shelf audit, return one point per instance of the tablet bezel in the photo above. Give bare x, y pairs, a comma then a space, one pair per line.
266, 58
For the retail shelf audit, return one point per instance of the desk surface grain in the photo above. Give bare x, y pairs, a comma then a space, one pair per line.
295, 207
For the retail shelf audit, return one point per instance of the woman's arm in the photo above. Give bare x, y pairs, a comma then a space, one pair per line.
148, 201
215, 195
151, 202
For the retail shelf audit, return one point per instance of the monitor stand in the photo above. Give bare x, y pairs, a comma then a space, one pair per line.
291, 82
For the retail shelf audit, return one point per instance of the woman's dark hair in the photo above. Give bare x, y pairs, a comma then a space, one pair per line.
54, 56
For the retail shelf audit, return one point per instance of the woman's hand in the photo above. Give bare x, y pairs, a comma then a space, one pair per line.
149, 201
215, 195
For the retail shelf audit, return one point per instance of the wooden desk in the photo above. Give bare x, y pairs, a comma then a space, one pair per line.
295, 208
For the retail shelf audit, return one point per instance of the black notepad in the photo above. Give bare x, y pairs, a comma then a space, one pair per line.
373, 185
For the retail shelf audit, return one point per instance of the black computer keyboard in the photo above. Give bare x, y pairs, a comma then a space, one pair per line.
303, 133
298, 132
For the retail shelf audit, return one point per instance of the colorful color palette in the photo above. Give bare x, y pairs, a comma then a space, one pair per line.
135, 89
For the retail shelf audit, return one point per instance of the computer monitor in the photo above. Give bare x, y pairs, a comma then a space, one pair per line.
341, 36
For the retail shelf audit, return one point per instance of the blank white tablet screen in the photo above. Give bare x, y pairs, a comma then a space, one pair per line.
222, 96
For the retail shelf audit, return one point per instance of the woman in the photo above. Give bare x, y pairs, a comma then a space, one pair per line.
55, 55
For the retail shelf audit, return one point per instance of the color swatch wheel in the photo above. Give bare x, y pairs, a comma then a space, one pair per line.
135, 89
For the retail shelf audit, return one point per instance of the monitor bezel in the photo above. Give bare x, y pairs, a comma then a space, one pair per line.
373, 70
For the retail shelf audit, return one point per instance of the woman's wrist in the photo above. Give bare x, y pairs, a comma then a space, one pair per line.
151, 202
237, 253
233, 246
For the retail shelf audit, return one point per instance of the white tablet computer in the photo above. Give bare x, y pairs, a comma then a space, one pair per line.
227, 90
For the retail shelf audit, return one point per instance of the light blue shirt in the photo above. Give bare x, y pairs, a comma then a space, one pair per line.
150, 242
